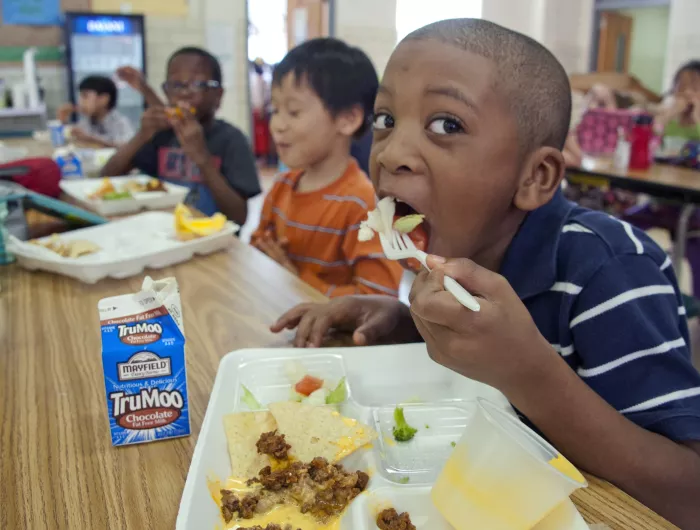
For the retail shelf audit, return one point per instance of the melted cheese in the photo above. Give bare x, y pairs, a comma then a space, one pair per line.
286, 514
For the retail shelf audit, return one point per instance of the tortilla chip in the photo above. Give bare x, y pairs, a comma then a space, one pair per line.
81, 247
242, 430
319, 431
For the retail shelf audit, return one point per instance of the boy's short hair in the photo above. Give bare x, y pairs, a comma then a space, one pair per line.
342, 76
528, 75
101, 85
214, 64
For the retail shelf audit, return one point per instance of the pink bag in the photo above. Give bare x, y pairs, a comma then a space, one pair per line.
597, 132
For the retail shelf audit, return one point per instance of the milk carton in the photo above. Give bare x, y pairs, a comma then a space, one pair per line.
143, 359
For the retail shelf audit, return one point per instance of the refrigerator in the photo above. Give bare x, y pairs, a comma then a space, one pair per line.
98, 44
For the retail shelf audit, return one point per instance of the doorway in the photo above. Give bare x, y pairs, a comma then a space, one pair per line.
632, 39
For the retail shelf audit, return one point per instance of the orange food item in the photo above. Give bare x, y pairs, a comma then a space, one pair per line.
308, 385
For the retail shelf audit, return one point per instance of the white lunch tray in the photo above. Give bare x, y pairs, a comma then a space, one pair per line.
80, 189
127, 246
378, 378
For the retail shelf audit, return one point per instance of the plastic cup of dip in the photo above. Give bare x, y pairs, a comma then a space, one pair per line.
501, 475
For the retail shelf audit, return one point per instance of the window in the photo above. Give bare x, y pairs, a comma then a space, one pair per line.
414, 14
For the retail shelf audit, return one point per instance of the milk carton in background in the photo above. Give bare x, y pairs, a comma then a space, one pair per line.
143, 358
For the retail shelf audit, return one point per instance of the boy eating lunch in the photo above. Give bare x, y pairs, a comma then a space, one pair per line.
322, 97
581, 325
186, 145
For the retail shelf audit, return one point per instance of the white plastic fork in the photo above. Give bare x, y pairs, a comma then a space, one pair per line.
400, 246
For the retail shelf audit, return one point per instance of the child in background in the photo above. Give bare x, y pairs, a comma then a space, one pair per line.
679, 118
98, 122
322, 97
186, 145
581, 326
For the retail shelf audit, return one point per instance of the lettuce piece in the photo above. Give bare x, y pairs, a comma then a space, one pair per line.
249, 399
338, 395
408, 223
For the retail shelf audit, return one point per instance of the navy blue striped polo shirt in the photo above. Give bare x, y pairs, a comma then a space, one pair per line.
606, 298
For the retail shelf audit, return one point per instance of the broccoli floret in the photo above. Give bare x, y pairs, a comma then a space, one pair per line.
403, 432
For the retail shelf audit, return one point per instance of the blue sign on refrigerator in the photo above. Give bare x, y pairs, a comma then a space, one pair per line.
31, 12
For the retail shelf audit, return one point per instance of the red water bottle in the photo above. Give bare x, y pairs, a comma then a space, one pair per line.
641, 135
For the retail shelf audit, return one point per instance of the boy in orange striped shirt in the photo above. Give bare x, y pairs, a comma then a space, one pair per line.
322, 95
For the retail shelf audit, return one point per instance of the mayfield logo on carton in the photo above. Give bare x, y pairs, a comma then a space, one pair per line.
143, 358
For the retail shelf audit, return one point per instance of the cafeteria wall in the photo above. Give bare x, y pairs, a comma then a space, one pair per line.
219, 24
683, 36
565, 26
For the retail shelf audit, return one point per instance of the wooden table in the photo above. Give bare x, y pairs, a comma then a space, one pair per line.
664, 181
58, 469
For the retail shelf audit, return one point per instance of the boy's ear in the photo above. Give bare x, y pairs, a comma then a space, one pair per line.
541, 177
350, 120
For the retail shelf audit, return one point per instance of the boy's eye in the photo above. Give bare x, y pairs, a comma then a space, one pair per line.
293, 113
383, 121
445, 126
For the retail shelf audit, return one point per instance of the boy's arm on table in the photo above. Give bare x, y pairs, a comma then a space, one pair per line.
636, 379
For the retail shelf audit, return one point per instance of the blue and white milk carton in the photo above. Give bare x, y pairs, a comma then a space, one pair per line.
68, 162
143, 358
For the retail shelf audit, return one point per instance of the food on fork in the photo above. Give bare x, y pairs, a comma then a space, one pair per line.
390, 519
68, 248
192, 224
382, 220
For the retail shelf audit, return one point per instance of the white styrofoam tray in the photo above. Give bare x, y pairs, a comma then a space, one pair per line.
378, 378
80, 190
127, 246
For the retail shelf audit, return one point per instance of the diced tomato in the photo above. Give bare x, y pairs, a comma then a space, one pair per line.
419, 236
308, 384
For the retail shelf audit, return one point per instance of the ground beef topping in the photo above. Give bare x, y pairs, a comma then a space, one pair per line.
273, 444
390, 519
244, 506
319, 488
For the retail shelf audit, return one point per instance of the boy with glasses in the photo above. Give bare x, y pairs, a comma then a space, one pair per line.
186, 145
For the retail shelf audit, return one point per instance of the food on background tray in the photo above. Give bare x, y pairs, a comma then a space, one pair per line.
390, 519
151, 185
285, 470
107, 191
68, 248
402, 431
191, 224
382, 220
106, 187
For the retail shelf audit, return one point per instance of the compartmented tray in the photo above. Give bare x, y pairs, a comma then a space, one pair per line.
81, 189
127, 247
435, 400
